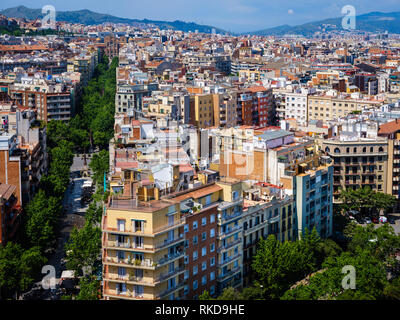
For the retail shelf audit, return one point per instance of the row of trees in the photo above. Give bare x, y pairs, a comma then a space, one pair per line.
92, 127
365, 199
20, 263
311, 268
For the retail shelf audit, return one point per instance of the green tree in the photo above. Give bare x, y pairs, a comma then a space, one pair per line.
278, 265
18, 267
99, 165
205, 296
230, 293
254, 292
89, 289
83, 248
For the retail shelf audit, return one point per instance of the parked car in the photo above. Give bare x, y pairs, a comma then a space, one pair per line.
375, 220
367, 220
391, 220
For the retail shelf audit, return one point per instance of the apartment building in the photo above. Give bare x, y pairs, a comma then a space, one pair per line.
255, 106
391, 131
130, 96
296, 106
225, 110
174, 246
259, 155
331, 105
200, 209
312, 180
201, 112
143, 248
229, 235
10, 212
51, 101
358, 162
267, 211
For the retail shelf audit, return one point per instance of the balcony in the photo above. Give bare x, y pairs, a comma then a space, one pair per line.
168, 242
123, 295
128, 279
229, 231
169, 258
171, 290
165, 276
226, 218
127, 245
229, 259
136, 263
229, 273
229, 245
169, 227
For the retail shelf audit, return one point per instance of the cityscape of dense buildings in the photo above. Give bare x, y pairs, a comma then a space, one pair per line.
219, 141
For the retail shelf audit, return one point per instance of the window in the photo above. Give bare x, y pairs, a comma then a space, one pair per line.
212, 262
195, 255
203, 221
195, 270
186, 259
212, 289
203, 251
195, 285
203, 236
203, 280
186, 275
212, 247
212, 233
186, 228
204, 266
212, 218
212, 276
195, 240
194, 225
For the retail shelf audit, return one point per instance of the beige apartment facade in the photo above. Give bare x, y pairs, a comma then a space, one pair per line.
364, 162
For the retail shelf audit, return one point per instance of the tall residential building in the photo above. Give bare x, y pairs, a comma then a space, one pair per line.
175, 246
312, 190
201, 112
143, 248
10, 212
358, 162
267, 211
391, 130
229, 234
255, 106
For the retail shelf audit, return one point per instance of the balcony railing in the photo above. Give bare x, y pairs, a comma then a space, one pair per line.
127, 245
230, 231
167, 275
169, 227
172, 289
230, 259
130, 262
226, 217
229, 273
168, 242
169, 258
230, 245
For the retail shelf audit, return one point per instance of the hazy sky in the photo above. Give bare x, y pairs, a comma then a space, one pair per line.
231, 15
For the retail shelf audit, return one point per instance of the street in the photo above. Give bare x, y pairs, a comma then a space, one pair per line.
73, 216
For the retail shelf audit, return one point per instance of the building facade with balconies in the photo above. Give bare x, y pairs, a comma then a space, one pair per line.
357, 163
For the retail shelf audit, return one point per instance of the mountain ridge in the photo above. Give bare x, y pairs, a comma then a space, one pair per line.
88, 17
373, 22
